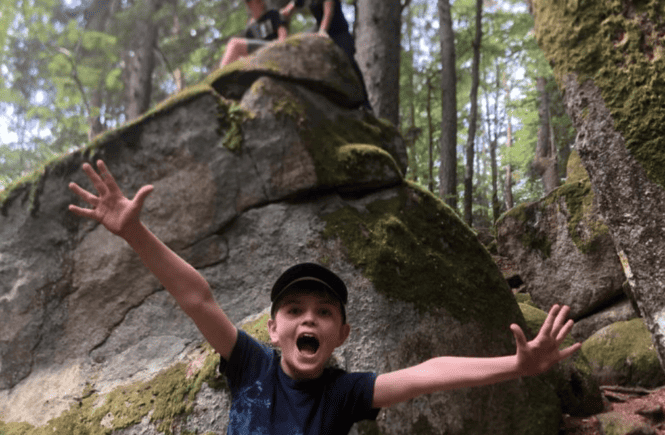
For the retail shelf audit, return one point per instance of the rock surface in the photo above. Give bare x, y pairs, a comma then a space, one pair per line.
244, 189
602, 52
622, 354
563, 250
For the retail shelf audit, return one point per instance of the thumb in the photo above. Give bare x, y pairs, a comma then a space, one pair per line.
520, 338
142, 194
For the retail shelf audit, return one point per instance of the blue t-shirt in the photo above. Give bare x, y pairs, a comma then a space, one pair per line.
266, 401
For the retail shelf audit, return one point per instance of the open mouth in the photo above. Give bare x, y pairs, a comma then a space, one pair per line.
307, 344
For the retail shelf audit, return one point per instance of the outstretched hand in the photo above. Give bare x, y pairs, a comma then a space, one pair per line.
110, 207
541, 353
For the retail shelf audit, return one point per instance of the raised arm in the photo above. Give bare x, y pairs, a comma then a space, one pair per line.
121, 217
448, 372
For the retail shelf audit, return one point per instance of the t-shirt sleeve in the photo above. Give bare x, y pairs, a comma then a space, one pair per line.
359, 395
249, 359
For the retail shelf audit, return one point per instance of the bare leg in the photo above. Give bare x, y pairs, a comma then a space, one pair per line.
236, 49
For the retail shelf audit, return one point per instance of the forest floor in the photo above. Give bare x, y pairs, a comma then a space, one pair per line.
641, 412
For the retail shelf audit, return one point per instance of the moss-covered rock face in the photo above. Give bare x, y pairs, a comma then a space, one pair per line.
575, 171
623, 354
620, 46
563, 249
165, 401
608, 55
414, 248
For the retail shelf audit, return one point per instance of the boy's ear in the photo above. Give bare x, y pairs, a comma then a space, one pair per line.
344, 332
272, 331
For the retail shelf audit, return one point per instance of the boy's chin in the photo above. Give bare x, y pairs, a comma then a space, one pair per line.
305, 366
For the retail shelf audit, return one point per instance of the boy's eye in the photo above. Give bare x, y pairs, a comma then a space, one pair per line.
294, 310
326, 312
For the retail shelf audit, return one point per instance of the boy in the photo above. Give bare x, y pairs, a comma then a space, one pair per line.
294, 393
262, 27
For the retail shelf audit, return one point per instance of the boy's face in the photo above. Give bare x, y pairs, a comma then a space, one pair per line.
307, 327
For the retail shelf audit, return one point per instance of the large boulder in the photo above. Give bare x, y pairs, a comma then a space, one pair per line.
622, 354
608, 59
243, 189
562, 249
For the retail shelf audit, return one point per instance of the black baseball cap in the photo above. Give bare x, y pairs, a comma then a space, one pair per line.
312, 273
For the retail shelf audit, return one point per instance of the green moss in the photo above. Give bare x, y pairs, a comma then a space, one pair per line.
334, 166
575, 172
625, 347
613, 423
619, 45
169, 396
579, 202
414, 248
231, 117
258, 328
524, 298
532, 237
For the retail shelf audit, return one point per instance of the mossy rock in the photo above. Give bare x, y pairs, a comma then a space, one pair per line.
258, 327
409, 246
615, 423
524, 298
619, 46
623, 354
575, 171
166, 399
572, 378
309, 60
585, 227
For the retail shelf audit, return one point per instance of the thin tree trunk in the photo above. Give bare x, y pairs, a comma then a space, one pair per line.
473, 97
508, 182
140, 59
98, 16
178, 76
545, 160
496, 206
448, 168
430, 142
378, 54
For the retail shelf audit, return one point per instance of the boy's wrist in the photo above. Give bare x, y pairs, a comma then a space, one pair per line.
132, 231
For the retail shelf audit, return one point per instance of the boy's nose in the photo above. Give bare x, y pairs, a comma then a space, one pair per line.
309, 317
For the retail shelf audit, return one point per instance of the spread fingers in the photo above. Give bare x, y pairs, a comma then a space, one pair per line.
83, 194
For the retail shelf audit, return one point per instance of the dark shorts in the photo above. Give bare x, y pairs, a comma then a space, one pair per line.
255, 44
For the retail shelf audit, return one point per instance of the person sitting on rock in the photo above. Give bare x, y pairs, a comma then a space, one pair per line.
332, 23
294, 392
263, 26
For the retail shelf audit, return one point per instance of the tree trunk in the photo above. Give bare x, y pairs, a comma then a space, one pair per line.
430, 142
139, 59
473, 97
493, 133
98, 17
448, 168
508, 182
178, 76
378, 54
545, 160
